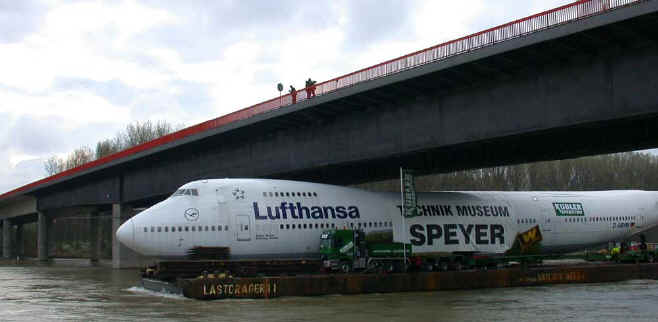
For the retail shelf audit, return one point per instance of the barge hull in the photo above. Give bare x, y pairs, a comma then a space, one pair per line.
313, 285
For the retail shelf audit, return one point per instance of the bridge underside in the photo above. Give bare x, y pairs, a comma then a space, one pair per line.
577, 141
529, 99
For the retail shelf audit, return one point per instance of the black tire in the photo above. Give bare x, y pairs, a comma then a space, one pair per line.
651, 258
459, 266
345, 267
444, 266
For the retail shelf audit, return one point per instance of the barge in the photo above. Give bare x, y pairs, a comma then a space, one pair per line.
212, 287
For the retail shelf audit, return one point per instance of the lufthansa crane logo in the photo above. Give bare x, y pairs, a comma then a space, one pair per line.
192, 214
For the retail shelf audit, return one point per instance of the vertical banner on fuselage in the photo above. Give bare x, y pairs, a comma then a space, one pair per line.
468, 226
409, 200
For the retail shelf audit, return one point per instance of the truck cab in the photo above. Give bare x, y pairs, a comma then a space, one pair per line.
348, 250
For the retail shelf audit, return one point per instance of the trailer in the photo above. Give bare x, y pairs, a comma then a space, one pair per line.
348, 250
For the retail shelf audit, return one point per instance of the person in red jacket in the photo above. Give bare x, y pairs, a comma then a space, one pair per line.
310, 88
293, 94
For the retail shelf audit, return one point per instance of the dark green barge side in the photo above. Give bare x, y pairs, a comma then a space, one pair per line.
205, 288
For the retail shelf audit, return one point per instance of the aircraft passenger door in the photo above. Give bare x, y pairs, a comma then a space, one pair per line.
547, 217
222, 210
243, 228
641, 221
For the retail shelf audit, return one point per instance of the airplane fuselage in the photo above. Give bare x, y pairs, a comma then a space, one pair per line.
260, 218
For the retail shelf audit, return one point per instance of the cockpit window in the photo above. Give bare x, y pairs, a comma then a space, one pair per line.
186, 192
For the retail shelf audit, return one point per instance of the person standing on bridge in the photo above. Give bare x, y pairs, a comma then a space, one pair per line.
293, 94
310, 88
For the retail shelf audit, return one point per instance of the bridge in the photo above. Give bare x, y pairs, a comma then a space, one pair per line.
572, 81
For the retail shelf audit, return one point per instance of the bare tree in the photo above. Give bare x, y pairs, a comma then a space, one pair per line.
628, 170
107, 147
79, 157
134, 134
53, 165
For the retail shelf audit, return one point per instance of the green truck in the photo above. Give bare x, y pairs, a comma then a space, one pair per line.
347, 250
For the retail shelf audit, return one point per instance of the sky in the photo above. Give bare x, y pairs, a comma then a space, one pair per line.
73, 73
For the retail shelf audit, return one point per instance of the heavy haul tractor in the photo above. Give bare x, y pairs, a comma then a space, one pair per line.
347, 250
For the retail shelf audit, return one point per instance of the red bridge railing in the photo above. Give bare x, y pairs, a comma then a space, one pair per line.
518, 28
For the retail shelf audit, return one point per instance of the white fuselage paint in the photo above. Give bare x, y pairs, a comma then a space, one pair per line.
254, 218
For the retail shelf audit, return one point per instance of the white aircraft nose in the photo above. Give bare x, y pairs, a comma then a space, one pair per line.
126, 234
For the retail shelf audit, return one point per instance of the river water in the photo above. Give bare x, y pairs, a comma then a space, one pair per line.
75, 292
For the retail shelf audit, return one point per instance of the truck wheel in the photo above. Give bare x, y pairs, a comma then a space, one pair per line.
444, 266
345, 268
458, 266
651, 258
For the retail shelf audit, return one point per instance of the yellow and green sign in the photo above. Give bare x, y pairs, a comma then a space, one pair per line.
568, 209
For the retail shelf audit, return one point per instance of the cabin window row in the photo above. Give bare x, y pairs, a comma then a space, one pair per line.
167, 229
290, 194
526, 221
600, 219
333, 225
186, 192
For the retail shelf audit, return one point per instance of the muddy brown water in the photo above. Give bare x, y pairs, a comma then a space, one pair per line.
72, 291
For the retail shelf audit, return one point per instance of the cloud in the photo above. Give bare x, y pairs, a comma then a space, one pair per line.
45, 136
14, 176
83, 40
19, 18
114, 91
204, 29
180, 102
370, 22
504, 11
77, 106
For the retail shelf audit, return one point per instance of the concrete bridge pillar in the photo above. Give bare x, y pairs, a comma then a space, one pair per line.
43, 225
20, 243
6, 239
122, 256
51, 243
94, 237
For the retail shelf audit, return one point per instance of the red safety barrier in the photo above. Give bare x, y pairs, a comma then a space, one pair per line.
518, 28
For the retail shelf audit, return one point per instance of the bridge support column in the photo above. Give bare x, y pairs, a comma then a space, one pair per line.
116, 245
51, 243
94, 236
43, 223
20, 243
6, 238
122, 256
